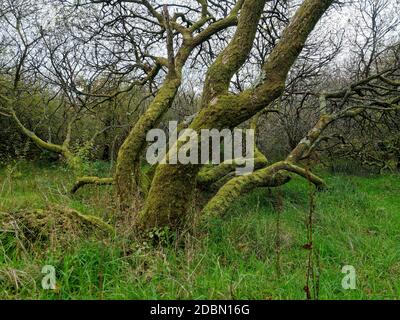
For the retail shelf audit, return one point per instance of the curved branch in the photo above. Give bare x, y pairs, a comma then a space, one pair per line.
83, 181
271, 176
38, 141
267, 177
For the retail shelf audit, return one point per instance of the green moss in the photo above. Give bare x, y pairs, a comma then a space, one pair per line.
53, 224
128, 173
237, 187
235, 54
170, 207
91, 180
210, 174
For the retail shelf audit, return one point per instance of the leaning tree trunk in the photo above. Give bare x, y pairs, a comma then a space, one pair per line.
173, 186
128, 175
129, 178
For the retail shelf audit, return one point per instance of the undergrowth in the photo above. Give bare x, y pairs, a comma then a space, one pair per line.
356, 222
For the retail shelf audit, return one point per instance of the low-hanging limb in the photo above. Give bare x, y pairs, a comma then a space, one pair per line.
240, 185
270, 176
63, 149
83, 181
210, 177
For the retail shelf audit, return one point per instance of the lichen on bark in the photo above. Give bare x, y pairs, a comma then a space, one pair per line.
129, 177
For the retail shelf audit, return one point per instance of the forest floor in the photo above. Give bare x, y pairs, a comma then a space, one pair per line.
256, 251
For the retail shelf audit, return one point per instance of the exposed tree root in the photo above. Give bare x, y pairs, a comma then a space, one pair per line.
83, 181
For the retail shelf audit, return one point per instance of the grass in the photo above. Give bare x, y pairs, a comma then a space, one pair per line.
356, 222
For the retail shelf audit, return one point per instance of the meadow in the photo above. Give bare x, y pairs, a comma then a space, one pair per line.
257, 250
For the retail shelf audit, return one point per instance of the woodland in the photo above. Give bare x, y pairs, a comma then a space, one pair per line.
83, 82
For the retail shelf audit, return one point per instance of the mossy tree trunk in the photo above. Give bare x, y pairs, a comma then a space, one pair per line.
128, 178
173, 186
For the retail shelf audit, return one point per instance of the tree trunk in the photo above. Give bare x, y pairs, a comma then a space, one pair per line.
128, 176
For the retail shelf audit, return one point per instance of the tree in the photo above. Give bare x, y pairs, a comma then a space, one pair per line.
261, 64
166, 204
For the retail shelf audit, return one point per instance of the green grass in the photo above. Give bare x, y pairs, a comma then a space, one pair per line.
356, 222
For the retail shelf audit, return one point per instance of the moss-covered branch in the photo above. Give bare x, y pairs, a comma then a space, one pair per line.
271, 176
209, 175
83, 181
241, 185
72, 160
128, 175
229, 61
39, 142
237, 187
93, 220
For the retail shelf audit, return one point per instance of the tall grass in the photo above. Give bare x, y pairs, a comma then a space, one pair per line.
356, 222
